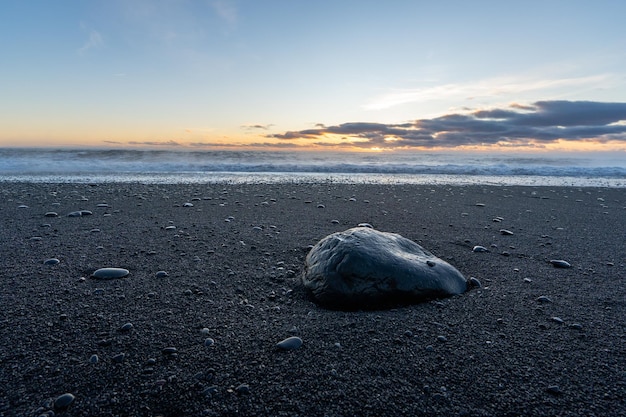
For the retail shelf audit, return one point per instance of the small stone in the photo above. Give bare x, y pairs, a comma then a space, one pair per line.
554, 390
75, 214
188, 205
126, 327
365, 225
478, 248
544, 299
557, 320
321, 206
334, 221
480, 205
209, 342
64, 401
110, 273
290, 343
51, 214
243, 389
559, 263
93, 359
576, 326
474, 283
169, 350
442, 338
161, 274
171, 227
506, 232
119, 358
51, 261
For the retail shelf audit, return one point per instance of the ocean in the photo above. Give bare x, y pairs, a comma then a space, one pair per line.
169, 166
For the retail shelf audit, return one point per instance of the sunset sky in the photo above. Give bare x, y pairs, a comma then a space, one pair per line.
291, 74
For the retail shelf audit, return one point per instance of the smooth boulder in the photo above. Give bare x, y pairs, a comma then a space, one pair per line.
362, 268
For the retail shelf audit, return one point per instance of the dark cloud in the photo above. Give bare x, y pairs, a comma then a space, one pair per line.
517, 125
257, 127
155, 143
282, 145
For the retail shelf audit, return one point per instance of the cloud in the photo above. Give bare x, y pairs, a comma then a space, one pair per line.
94, 40
482, 88
226, 11
281, 145
516, 125
257, 127
155, 143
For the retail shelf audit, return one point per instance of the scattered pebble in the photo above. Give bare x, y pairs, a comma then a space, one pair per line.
290, 343
557, 320
506, 232
119, 358
169, 350
554, 390
559, 263
474, 282
126, 327
51, 214
110, 273
64, 401
365, 225
478, 248
51, 261
208, 342
161, 274
544, 299
243, 389
93, 359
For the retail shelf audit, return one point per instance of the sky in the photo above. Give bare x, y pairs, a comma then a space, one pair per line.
325, 75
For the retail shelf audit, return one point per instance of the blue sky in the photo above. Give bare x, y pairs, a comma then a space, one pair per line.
312, 74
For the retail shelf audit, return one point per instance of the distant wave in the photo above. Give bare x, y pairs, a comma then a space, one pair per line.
114, 161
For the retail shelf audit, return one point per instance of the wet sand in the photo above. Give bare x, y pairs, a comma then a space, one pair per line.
533, 340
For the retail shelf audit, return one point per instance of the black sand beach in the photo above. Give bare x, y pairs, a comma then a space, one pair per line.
534, 340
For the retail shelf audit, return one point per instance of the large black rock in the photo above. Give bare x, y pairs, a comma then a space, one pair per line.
362, 268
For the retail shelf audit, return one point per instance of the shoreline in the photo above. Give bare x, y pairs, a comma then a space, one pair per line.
229, 178
233, 261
